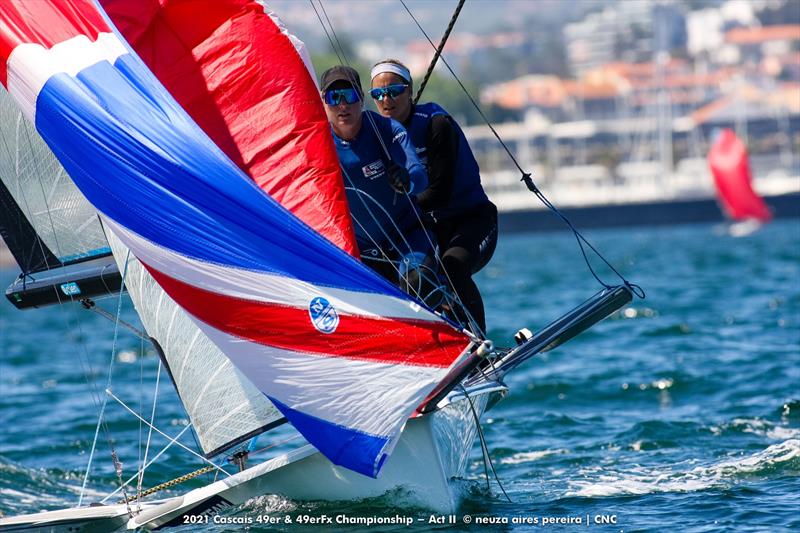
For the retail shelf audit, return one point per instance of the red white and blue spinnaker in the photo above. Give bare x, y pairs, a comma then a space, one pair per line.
187, 164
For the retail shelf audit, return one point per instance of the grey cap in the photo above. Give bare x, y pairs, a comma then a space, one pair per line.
340, 73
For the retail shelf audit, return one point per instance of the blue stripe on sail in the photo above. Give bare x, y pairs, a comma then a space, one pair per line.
141, 160
356, 450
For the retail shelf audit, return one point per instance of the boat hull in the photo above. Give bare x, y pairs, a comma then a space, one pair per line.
432, 450
99, 519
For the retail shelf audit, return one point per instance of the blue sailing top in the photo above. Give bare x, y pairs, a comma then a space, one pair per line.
467, 189
375, 207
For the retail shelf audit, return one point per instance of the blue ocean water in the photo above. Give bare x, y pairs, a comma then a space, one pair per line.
681, 412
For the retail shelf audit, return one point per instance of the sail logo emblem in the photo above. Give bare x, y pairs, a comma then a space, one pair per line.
372, 170
70, 289
323, 315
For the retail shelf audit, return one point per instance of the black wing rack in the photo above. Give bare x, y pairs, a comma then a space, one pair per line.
45, 278
561, 330
91, 278
478, 368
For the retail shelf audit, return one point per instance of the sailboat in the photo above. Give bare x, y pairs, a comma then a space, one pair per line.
730, 167
184, 157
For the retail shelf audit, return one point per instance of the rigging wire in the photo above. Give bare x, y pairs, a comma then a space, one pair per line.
439, 49
149, 432
87, 363
101, 418
528, 180
172, 440
484, 446
90, 305
139, 460
134, 413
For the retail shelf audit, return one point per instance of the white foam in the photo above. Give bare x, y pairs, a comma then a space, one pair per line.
527, 457
640, 480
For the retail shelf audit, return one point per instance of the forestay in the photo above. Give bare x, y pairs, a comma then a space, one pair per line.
343, 354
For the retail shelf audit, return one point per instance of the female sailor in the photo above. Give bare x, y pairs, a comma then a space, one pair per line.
464, 220
382, 175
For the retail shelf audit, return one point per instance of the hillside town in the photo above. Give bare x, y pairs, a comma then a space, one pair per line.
643, 88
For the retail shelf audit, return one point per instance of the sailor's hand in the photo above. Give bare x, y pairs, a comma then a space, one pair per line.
399, 180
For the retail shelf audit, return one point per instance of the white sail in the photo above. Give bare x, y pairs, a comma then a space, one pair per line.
59, 213
222, 404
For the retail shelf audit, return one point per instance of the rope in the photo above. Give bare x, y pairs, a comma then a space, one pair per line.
168, 484
438, 50
528, 180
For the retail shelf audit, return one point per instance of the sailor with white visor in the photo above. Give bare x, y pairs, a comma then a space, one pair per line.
463, 218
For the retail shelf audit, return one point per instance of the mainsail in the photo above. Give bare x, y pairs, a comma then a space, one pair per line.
50, 228
343, 354
732, 177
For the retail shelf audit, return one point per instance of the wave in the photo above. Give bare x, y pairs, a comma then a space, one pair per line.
527, 457
26, 490
757, 426
777, 459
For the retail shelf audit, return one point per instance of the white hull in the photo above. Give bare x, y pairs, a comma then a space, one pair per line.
432, 450
84, 519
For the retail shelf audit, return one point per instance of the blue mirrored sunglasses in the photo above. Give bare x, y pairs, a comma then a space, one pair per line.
392, 91
337, 96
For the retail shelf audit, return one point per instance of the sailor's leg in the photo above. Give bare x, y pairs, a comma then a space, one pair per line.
456, 261
468, 243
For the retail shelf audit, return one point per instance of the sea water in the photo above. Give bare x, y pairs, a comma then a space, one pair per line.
681, 412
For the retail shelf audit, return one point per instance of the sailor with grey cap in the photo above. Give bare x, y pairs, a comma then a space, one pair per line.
465, 221
382, 175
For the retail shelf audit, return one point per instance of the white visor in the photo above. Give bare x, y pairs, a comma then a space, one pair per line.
382, 68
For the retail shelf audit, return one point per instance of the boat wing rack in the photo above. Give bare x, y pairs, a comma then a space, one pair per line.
477, 368
564, 328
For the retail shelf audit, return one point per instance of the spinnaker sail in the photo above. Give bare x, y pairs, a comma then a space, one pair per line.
733, 180
249, 84
223, 406
344, 355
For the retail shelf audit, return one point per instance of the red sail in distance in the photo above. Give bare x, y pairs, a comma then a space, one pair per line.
731, 170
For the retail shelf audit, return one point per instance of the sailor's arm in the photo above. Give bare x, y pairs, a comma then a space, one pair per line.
402, 153
442, 151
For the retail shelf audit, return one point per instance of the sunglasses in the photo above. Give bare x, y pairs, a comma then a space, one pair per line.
392, 91
337, 96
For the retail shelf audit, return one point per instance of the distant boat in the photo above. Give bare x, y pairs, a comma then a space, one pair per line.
730, 167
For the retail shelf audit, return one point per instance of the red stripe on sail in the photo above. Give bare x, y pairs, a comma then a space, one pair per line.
383, 340
45, 22
242, 80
